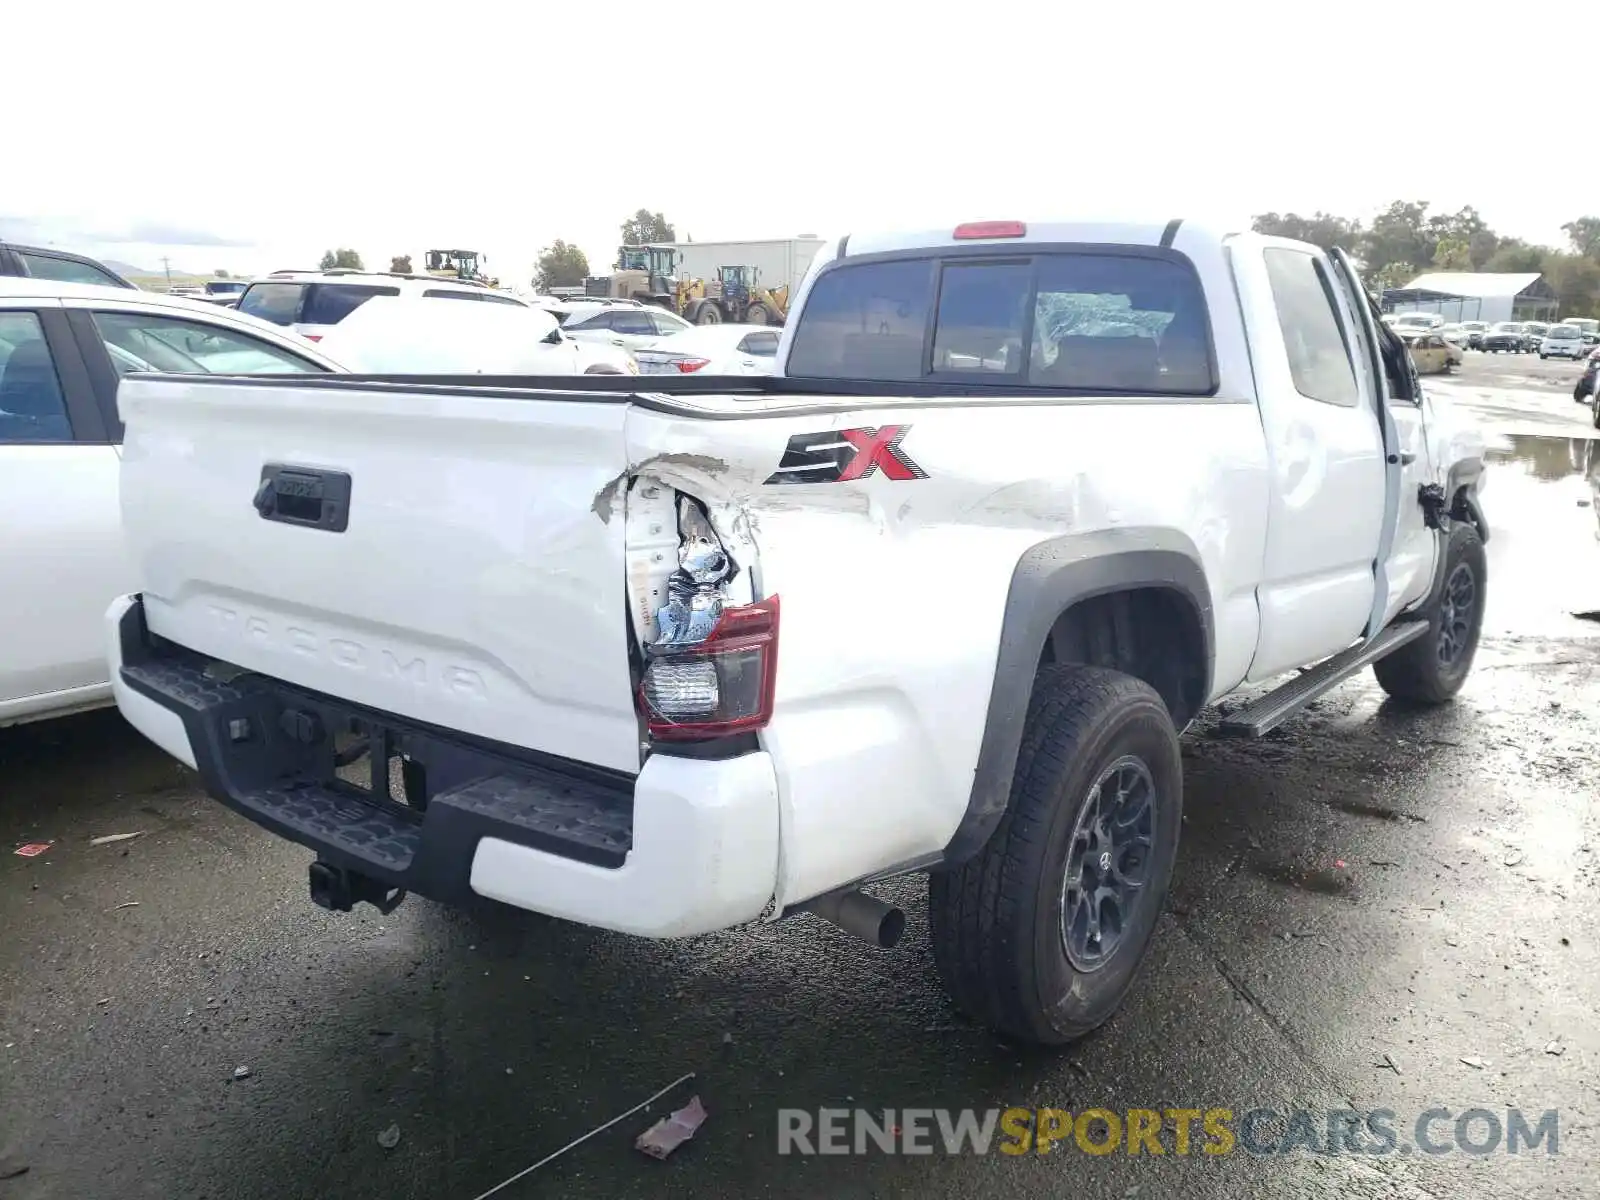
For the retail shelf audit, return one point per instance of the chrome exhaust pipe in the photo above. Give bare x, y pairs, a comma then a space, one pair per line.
867, 917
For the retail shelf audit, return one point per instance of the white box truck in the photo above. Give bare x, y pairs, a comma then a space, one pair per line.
777, 261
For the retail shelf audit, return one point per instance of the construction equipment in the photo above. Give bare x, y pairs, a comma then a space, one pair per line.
464, 265
643, 273
735, 297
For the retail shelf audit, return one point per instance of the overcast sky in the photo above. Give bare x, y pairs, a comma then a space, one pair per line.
253, 137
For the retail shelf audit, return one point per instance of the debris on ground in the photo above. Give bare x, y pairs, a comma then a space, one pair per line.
1555, 1048
1389, 1064
125, 904
672, 1131
390, 1137
241, 1072
13, 1170
578, 1141
1384, 862
109, 838
1513, 858
1340, 863
1477, 1064
33, 849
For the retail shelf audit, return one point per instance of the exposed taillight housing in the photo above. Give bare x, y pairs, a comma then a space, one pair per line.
689, 365
312, 337
723, 685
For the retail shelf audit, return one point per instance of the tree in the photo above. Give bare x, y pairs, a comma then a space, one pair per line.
1514, 256
561, 264
1584, 233
1320, 229
1576, 281
342, 260
1400, 235
1393, 275
400, 264
644, 227
1453, 254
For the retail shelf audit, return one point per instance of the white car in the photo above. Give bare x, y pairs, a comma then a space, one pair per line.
313, 302
63, 348
1563, 341
397, 335
632, 327
712, 350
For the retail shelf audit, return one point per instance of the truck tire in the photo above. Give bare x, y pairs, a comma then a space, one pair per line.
708, 314
757, 314
1025, 947
1431, 669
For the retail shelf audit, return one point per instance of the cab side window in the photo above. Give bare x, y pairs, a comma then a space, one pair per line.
32, 407
1319, 360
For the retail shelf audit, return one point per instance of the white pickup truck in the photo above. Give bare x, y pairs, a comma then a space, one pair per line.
938, 597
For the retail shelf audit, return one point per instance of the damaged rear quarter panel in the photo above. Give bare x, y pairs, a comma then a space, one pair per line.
894, 591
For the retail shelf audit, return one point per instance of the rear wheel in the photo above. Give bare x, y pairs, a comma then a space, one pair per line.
1431, 669
707, 314
757, 314
1040, 936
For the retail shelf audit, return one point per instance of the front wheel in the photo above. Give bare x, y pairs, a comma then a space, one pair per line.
1432, 668
1042, 933
708, 314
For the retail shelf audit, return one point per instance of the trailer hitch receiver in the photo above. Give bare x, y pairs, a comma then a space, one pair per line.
340, 889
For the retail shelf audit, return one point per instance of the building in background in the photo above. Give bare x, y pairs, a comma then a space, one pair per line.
1476, 296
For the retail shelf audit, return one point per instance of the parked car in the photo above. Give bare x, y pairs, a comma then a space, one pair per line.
1533, 335
556, 608
1563, 341
42, 262
414, 335
1586, 385
630, 327
224, 291
1432, 354
313, 302
1456, 335
1475, 331
1505, 337
63, 348
1416, 320
712, 350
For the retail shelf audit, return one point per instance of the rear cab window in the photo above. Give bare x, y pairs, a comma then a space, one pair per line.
1088, 320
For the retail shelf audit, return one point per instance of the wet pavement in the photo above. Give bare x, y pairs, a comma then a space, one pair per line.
1374, 908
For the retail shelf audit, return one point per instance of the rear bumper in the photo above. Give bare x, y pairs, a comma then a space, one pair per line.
687, 846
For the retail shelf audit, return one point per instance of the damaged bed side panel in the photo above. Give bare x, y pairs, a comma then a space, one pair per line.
893, 559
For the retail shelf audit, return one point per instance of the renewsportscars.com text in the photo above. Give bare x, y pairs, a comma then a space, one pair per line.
1171, 1131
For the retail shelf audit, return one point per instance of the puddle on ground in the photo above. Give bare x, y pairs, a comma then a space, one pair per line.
1542, 500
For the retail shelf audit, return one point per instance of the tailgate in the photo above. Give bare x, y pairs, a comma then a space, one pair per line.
472, 579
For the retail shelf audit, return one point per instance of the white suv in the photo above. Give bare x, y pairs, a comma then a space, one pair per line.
312, 302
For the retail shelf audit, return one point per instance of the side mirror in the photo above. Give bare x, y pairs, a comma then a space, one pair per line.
553, 338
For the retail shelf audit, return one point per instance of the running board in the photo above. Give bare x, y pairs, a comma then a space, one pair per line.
1283, 701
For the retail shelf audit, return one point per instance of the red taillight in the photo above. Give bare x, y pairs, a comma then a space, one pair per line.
990, 229
722, 686
312, 337
690, 365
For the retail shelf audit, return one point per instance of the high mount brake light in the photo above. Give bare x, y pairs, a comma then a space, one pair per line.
722, 686
990, 229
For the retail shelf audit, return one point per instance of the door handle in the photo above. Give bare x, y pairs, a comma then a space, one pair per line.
1407, 458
